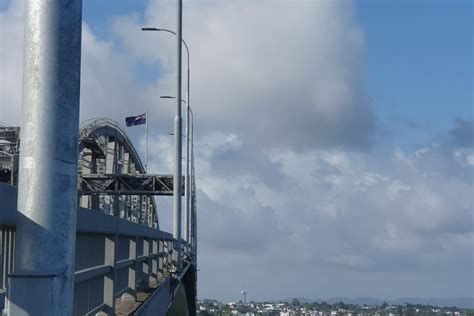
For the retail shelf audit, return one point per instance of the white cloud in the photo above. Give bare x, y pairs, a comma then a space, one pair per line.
11, 62
283, 202
278, 73
331, 208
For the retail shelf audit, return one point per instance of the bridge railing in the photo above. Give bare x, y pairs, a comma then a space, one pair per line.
119, 264
116, 262
7, 248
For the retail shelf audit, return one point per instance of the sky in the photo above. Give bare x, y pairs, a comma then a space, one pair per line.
333, 139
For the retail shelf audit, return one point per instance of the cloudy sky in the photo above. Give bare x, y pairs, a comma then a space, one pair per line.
334, 139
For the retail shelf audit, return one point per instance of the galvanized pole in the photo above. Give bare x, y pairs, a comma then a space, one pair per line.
43, 279
189, 178
187, 212
178, 144
188, 159
193, 196
187, 216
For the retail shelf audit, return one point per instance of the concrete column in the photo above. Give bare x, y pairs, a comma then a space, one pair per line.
43, 280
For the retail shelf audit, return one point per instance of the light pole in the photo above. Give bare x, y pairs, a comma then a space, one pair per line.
188, 219
187, 200
177, 140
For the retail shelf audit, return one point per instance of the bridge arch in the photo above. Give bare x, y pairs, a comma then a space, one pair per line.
105, 148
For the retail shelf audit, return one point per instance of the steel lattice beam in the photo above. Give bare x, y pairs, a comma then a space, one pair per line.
141, 184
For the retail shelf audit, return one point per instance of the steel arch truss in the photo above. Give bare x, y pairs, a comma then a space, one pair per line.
111, 176
142, 184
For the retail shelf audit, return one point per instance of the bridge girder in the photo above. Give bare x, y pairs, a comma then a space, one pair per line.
124, 184
108, 162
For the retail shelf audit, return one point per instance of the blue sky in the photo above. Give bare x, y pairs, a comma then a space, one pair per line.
419, 63
100, 14
417, 55
333, 138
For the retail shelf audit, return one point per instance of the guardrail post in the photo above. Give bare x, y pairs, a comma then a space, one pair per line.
110, 279
140, 264
155, 258
161, 260
170, 257
148, 250
3, 283
132, 270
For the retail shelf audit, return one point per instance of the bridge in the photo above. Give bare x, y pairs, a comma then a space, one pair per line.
123, 262
79, 226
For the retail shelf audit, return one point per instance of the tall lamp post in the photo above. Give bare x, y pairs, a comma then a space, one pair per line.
189, 219
177, 141
187, 201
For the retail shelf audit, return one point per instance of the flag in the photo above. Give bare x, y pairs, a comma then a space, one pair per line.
136, 120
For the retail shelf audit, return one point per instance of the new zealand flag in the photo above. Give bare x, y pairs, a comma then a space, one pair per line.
136, 120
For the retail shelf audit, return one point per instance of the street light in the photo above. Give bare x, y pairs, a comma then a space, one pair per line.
188, 216
187, 184
177, 136
171, 97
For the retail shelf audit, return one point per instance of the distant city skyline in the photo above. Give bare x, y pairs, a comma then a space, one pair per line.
460, 302
341, 305
334, 139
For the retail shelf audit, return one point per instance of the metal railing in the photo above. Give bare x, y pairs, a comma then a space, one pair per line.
118, 263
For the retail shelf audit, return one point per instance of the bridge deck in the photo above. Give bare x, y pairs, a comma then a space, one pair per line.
127, 304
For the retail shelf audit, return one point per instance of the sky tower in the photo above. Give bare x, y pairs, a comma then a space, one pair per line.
245, 296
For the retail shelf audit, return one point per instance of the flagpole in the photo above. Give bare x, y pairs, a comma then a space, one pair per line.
146, 145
